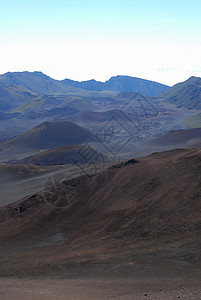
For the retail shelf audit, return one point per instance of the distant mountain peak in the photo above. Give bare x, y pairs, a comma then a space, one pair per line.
42, 84
121, 83
194, 79
186, 94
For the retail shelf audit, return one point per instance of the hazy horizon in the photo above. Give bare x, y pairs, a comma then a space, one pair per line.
83, 40
38, 71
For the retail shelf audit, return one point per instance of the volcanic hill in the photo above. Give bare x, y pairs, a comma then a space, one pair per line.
50, 135
74, 154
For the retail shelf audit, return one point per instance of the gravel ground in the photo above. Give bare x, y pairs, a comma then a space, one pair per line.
92, 289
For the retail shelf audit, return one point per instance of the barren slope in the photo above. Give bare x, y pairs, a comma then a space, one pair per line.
178, 138
49, 135
74, 154
154, 201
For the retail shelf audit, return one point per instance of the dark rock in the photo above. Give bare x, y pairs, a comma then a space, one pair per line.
130, 162
124, 164
32, 201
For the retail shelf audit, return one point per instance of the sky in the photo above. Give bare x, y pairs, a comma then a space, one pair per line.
152, 39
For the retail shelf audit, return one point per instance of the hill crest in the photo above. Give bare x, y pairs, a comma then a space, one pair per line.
43, 84
50, 135
185, 94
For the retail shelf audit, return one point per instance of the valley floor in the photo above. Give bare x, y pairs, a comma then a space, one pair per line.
156, 275
102, 288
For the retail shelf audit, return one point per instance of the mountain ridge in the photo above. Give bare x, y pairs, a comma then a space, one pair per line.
185, 94
122, 83
37, 82
43, 84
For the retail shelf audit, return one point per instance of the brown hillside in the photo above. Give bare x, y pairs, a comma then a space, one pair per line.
178, 137
154, 200
74, 154
50, 135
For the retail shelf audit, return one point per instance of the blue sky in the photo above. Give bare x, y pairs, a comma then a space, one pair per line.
156, 40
